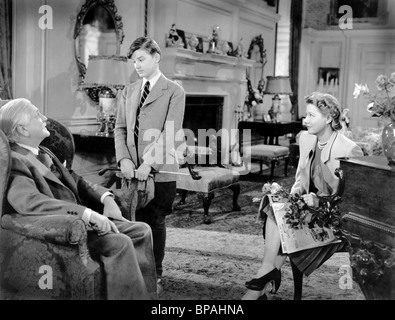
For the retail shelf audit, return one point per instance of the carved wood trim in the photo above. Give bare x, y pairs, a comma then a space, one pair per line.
109, 5
354, 217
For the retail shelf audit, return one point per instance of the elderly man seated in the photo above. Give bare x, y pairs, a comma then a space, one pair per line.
39, 184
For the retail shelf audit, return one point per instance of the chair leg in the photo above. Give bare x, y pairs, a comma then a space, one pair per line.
183, 197
260, 166
206, 205
236, 191
298, 281
286, 161
273, 164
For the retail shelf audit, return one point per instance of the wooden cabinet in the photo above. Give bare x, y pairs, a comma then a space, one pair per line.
368, 221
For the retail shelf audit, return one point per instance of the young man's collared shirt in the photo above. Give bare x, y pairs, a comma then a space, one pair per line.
152, 82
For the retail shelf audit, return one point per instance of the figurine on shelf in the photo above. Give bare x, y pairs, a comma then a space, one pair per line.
239, 51
173, 39
193, 42
225, 48
213, 45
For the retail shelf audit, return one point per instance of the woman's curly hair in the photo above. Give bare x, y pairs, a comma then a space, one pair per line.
328, 105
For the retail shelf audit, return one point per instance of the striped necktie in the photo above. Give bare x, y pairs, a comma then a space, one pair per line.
142, 99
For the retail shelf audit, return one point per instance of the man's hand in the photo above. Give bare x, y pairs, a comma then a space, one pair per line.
311, 200
127, 168
143, 171
101, 224
111, 209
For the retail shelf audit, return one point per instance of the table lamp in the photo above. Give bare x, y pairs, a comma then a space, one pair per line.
104, 77
277, 85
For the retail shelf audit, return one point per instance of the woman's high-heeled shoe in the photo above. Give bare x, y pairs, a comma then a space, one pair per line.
263, 297
272, 278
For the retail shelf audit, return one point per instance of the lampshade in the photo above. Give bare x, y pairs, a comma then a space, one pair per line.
107, 71
278, 85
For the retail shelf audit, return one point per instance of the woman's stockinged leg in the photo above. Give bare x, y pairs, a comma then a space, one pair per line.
271, 258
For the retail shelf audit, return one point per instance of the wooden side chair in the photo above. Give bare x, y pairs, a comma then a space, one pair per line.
201, 175
271, 154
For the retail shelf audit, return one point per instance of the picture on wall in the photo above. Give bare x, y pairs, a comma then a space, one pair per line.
371, 11
328, 75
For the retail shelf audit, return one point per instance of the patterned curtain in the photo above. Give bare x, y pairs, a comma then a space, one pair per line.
5, 49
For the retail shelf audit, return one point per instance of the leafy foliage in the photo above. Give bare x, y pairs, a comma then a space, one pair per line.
299, 214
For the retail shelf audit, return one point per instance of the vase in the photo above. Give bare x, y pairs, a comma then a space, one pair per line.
388, 140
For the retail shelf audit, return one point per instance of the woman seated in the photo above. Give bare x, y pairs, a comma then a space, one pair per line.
320, 146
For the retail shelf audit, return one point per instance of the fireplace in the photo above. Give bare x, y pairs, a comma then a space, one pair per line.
215, 87
203, 112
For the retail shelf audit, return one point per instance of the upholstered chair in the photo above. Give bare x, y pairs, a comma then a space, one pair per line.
46, 257
203, 176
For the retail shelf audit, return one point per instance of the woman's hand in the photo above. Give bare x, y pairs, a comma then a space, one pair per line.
311, 199
127, 168
143, 171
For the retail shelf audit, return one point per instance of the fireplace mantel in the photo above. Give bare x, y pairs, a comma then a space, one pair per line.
183, 64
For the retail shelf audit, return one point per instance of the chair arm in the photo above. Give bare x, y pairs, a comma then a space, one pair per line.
57, 229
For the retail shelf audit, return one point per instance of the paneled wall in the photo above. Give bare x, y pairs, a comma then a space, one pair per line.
44, 65
360, 54
238, 19
45, 69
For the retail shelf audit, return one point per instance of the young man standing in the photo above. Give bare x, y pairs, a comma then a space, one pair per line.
150, 115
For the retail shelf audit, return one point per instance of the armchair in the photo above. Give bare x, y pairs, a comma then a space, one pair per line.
47, 257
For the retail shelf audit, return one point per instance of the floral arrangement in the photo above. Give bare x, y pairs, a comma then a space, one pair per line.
299, 214
382, 103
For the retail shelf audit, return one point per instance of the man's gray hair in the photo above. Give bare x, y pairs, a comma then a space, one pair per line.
13, 113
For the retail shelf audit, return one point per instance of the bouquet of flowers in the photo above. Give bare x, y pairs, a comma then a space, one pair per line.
299, 214
382, 103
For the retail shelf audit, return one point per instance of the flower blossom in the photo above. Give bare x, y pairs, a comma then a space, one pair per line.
381, 103
370, 107
381, 82
359, 88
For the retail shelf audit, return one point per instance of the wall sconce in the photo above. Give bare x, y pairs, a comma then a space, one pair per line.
104, 77
277, 85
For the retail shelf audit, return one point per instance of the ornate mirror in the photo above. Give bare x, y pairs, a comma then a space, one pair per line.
98, 31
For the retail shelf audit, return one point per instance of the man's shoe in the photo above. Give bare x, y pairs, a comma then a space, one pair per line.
159, 286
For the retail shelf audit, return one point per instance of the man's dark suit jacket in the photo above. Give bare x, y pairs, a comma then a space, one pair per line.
34, 189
